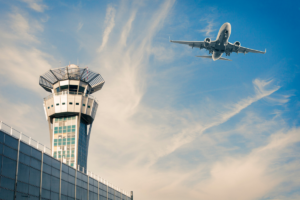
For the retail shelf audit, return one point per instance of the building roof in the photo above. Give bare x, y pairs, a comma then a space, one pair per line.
71, 72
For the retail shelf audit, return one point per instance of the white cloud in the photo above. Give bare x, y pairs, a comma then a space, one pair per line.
80, 25
208, 29
110, 23
36, 5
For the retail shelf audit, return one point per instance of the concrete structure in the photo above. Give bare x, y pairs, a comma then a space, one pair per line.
70, 111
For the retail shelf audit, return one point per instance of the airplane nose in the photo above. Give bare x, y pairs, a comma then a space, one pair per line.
227, 26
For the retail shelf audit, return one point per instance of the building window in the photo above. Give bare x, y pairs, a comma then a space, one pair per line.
63, 103
89, 106
48, 107
77, 104
51, 105
70, 103
57, 104
83, 104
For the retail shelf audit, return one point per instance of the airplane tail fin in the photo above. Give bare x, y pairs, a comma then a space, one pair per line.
221, 58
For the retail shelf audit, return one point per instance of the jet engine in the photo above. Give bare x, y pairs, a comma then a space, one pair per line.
238, 44
208, 40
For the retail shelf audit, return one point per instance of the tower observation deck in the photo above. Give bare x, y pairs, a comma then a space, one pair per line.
70, 111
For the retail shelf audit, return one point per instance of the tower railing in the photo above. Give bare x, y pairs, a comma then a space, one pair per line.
28, 140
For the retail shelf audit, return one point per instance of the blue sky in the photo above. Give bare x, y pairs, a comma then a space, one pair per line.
169, 125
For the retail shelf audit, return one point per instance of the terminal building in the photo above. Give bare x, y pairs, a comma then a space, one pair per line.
31, 171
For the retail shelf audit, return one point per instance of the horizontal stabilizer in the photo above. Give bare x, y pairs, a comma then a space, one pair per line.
221, 58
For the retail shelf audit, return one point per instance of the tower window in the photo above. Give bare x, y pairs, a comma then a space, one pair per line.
57, 104
51, 105
48, 107
89, 106
77, 104
70, 103
63, 103
83, 104
81, 89
64, 87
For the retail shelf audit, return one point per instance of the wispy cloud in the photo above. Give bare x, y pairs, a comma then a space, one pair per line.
36, 5
80, 25
110, 23
208, 29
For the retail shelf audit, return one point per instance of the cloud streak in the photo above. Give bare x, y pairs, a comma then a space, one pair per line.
110, 23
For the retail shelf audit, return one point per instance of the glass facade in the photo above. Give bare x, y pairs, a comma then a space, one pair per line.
27, 173
82, 145
64, 144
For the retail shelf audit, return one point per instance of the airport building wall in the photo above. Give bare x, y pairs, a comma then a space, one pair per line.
29, 173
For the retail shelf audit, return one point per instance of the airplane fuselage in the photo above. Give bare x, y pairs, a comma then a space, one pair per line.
221, 41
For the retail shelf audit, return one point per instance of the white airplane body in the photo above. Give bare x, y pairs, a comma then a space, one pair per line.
220, 45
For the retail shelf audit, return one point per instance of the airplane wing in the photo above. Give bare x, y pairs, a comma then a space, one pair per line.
197, 44
239, 49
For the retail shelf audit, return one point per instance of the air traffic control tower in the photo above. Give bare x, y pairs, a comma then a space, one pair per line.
70, 111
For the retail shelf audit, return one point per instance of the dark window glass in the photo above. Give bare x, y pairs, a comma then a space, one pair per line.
71, 190
64, 176
84, 185
6, 194
11, 153
10, 141
47, 159
70, 103
78, 175
1, 137
77, 104
63, 103
47, 168
35, 176
45, 194
55, 163
35, 163
57, 89
54, 184
64, 87
22, 187
72, 171
1, 148
71, 179
64, 187
73, 88
36, 153
23, 173
57, 104
81, 89
96, 183
63, 197
9, 168
34, 190
46, 181
24, 158
79, 182
65, 168
55, 172
7, 183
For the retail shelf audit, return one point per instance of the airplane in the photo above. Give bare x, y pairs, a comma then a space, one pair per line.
220, 45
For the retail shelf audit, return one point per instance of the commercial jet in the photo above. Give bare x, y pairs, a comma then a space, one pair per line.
220, 45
